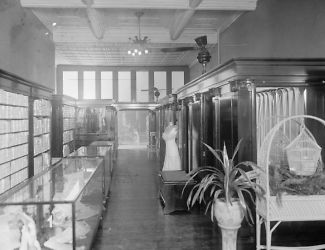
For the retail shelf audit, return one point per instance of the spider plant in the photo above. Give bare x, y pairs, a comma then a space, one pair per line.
229, 183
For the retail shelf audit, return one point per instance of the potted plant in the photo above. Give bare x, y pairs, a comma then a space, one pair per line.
226, 191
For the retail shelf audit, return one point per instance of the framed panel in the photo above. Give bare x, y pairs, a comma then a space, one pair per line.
228, 122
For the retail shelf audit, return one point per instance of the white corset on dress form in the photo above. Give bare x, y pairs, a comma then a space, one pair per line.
172, 159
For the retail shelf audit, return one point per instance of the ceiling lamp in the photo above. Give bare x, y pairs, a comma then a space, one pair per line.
139, 45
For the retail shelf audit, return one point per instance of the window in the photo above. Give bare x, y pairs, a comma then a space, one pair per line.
70, 83
177, 80
124, 86
142, 83
89, 85
160, 82
106, 84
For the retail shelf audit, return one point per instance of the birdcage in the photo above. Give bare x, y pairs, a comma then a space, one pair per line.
303, 153
278, 153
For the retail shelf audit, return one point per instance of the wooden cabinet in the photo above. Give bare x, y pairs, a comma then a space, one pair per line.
25, 112
223, 105
63, 125
42, 111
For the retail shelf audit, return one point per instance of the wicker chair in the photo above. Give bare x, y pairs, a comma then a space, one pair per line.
292, 207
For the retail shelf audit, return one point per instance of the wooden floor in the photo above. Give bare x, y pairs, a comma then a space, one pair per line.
134, 219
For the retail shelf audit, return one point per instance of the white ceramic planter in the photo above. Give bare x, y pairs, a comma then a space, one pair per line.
229, 219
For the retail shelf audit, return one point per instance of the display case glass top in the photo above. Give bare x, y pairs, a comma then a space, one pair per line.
62, 183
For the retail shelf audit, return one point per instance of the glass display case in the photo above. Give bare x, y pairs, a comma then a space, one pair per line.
114, 148
58, 209
104, 152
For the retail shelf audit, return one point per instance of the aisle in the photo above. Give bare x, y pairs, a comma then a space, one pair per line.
134, 218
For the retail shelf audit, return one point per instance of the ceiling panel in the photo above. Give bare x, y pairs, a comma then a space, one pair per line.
169, 23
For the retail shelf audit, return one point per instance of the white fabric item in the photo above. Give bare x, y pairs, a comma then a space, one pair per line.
52, 244
63, 239
62, 214
172, 159
28, 234
24, 240
84, 211
10, 235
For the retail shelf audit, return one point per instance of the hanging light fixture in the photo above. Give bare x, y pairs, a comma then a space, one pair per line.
139, 44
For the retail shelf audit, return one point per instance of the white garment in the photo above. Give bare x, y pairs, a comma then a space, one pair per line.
172, 159
62, 240
9, 231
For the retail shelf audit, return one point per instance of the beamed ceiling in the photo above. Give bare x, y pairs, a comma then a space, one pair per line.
97, 32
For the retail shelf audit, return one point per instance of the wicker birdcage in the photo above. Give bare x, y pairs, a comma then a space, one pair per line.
278, 156
303, 153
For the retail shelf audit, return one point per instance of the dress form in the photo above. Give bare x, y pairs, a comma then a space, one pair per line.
172, 159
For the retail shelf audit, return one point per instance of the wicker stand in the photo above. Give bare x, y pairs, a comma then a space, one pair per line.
293, 207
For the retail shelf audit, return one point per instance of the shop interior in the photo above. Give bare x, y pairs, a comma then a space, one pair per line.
140, 125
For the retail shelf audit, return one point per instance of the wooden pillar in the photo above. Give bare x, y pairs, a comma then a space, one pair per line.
59, 81
31, 137
97, 83
80, 85
168, 82
115, 85
133, 86
151, 85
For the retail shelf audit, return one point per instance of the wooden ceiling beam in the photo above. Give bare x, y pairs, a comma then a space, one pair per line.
95, 20
194, 3
182, 19
241, 5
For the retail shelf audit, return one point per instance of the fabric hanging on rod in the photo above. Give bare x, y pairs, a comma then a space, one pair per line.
274, 105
